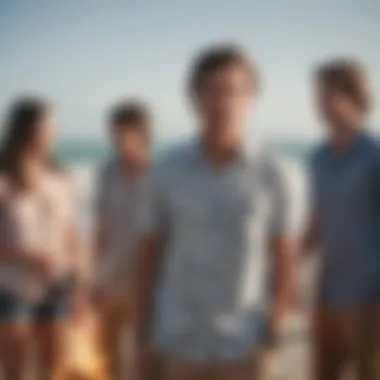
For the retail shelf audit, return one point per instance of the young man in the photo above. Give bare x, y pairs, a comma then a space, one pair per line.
216, 208
345, 224
119, 199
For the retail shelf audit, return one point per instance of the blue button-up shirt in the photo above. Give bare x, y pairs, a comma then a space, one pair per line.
347, 203
212, 295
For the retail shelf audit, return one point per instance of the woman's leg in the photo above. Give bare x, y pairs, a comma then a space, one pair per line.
52, 318
15, 336
52, 343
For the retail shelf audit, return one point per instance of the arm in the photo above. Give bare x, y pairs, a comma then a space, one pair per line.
283, 245
11, 254
76, 257
73, 243
20, 256
101, 230
285, 282
153, 220
100, 238
146, 264
311, 238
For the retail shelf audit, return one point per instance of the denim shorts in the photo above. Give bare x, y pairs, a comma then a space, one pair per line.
54, 306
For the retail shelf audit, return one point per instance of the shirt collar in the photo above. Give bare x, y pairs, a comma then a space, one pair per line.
358, 141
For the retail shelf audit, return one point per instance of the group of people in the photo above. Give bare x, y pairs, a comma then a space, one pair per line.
198, 253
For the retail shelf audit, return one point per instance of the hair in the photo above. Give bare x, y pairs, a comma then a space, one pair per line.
130, 115
220, 57
20, 129
348, 77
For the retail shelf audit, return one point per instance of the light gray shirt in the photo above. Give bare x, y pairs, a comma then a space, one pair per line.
118, 203
213, 290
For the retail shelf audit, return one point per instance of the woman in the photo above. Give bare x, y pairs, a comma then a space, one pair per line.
37, 241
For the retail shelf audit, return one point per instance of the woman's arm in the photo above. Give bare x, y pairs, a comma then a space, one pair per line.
73, 243
26, 258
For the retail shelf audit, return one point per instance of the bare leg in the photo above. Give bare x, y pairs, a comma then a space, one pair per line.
114, 318
52, 343
15, 340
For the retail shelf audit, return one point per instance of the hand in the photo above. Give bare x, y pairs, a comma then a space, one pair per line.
35, 260
97, 296
81, 304
275, 330
44, 265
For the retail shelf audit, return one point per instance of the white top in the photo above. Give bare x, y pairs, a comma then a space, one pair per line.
36, 221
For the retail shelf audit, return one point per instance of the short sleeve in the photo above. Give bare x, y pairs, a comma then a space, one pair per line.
153, 216
283, 218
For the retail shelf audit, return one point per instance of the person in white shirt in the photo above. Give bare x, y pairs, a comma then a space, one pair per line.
38, 246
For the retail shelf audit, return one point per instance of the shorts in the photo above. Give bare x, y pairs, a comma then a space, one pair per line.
54, 306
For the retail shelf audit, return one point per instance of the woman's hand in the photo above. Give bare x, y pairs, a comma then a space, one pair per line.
44, 265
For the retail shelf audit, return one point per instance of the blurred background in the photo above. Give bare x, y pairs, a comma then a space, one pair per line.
84, 55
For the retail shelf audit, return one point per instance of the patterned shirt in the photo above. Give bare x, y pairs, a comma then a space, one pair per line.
212, 296
347, 203
118, 203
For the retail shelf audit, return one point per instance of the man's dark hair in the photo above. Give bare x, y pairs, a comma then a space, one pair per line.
219, 57
129, 115
348, 77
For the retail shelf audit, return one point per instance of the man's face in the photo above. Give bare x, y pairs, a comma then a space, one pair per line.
336, 109
223, 101
131, 146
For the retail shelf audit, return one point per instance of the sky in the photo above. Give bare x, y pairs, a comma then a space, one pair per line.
86, 54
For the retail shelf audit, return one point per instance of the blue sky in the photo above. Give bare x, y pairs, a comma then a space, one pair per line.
86, 54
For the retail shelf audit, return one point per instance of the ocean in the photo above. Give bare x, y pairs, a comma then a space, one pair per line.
83, 160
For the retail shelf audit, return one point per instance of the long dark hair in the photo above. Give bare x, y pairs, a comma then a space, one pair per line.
20, 129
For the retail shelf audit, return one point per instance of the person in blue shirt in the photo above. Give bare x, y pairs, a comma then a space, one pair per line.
345, 224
